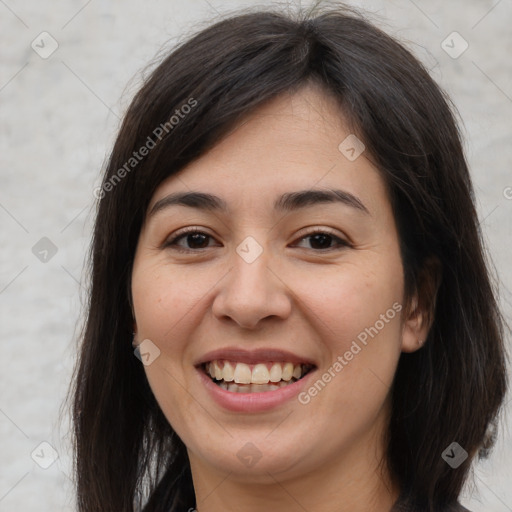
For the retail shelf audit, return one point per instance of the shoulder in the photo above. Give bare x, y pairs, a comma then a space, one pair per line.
457, 507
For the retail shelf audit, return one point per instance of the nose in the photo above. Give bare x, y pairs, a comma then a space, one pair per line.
252, 292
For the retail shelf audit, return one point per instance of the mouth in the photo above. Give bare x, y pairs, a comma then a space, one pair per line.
240, 377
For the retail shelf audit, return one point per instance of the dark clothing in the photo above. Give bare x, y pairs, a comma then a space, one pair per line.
401, 507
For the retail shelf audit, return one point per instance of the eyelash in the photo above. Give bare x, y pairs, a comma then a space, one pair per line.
192, 230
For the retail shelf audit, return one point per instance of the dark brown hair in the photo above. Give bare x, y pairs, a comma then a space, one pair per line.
127, 455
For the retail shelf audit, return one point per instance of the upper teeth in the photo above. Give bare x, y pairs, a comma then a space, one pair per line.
261, 373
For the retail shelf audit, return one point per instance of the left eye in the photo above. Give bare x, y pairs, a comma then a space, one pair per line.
323, 239
195, 237
199, 240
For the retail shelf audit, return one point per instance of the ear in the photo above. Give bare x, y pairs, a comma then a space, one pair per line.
419, 314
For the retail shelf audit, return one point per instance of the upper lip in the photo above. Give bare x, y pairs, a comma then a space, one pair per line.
253, 356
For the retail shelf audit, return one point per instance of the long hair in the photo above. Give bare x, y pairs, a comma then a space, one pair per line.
127, 456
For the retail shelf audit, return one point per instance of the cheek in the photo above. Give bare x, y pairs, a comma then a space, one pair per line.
356, 310
163, 300
165, 305
352, 298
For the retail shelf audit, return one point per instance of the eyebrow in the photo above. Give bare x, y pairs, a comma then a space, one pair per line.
287, 202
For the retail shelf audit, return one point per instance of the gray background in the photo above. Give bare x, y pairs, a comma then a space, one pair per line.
59, 118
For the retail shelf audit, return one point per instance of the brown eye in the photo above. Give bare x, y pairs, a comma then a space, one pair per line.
193, 239
321, 240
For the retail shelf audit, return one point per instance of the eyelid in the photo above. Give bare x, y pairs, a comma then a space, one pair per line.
182, 232
307, 232
342, 241
319, 229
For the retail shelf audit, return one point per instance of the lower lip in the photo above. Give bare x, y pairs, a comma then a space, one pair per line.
252, 402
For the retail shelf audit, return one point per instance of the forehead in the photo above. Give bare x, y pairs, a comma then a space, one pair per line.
290, 143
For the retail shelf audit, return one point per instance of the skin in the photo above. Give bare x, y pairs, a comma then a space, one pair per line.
296, 296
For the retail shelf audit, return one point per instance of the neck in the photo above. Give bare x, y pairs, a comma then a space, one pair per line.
355, 481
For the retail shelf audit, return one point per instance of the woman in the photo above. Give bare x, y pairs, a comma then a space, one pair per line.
287, 235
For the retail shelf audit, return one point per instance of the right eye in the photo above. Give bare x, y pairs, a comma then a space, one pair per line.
192, 236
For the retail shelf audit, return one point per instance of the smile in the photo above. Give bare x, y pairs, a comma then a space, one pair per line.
238, 377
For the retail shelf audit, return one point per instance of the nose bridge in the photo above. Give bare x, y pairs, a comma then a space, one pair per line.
250, 267
251, 291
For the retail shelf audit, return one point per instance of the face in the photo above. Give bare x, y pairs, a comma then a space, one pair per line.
267, 282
